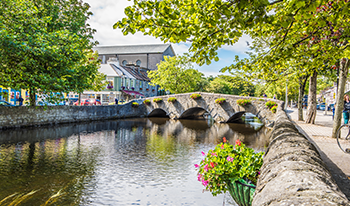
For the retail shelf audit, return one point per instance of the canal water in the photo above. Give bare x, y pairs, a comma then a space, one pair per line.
122, 162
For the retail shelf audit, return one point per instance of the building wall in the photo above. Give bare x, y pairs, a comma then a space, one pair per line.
131, 59
154, 59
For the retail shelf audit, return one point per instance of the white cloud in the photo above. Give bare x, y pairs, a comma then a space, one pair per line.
105, 14
241, 46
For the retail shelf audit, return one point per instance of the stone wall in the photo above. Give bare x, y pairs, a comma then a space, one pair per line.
25, 116
293, 172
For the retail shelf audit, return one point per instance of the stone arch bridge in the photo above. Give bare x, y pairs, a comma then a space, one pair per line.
187, 108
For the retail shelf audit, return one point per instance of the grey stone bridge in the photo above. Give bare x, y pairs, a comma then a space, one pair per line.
187, 108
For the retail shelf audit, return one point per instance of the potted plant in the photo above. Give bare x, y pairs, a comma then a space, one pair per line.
152, 90
231, 168
135, 104
147, 101
140, 88
172, 99
157, 100
243, 102
132, 88
272, 106
220, 101
109, 87
274, 109
123, 87
147, 89
195, 96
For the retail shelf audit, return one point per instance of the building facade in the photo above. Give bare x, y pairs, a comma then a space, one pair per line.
126, 70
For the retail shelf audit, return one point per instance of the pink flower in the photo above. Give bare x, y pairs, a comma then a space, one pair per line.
196, 165
238, 142
224, 139
222, 146
214, 154
206, 168
199, 177
230, 159
203, 153
205, 183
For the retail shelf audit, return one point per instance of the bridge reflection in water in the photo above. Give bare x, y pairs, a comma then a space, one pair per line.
124, 162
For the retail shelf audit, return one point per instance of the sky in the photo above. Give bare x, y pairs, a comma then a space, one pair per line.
108, 12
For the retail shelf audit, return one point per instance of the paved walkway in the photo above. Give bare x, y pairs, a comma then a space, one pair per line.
320, 134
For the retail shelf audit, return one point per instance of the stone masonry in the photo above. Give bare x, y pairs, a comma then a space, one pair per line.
293, 172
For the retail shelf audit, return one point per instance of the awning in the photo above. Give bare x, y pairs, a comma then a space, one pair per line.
132, 93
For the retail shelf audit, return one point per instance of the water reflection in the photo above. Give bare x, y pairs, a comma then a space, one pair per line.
124, 162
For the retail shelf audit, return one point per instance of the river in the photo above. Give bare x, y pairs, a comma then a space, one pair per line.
145, 161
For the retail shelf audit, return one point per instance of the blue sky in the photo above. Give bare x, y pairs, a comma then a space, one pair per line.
107, 12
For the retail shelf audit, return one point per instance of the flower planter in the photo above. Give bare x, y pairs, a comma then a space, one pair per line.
241, 192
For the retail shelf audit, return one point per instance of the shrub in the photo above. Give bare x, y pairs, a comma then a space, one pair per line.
157, 100
135, 104
195, 96
243, 102
220, 100
270, 104
172, 99
147, 101
274, 109
227, 163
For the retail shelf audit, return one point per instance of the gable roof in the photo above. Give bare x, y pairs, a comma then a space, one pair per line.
133, 49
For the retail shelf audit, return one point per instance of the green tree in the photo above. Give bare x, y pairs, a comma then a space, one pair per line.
176, 74
46, 46
235, 85
309, 33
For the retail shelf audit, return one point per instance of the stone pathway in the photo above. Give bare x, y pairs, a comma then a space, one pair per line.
320, 134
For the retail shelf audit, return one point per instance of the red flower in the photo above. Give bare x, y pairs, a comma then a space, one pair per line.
224, 139
222, 146
238, 142
212, 164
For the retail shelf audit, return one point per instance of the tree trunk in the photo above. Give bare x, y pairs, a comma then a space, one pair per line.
311, 108
302, 84
79, 99
343, 73
32, 97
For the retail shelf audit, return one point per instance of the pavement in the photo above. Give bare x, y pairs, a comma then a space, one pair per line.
320, 134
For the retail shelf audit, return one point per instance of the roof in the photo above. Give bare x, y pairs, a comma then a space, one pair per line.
132, 49
137, 73
108, 70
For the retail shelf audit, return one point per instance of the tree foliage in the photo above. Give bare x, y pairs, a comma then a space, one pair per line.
46, 46
176, 74
235, 85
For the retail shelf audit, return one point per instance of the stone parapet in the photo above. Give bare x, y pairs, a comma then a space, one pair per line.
293, 172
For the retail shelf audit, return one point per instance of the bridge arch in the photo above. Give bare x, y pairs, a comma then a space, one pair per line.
158, 112
236, 117
193, 113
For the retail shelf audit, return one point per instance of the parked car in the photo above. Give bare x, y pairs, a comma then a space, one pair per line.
322, 106
6, 104
88, 102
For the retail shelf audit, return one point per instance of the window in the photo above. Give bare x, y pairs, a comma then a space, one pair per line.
140, 84
127, 83
138, 62
124, 62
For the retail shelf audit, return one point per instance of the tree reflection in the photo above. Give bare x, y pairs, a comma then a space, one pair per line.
47, 167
